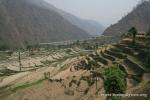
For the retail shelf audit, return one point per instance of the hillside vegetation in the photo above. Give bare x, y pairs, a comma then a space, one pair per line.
139, 17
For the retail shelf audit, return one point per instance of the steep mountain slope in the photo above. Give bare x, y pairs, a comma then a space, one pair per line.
90, 26
29, 22
139, 17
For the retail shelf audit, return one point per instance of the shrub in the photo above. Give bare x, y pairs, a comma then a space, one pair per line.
145, 56
4, 47
114, 82
148, 33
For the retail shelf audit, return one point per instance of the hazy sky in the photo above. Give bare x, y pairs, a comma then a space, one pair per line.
104, 11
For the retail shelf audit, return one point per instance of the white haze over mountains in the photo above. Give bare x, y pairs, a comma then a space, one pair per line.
105, 12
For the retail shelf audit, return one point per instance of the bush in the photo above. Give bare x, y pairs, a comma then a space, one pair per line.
4, 47
148, 33
145, 56
114, 82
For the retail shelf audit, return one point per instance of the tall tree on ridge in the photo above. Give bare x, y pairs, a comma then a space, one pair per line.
133, 31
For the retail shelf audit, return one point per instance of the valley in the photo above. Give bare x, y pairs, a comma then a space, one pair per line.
69, 72
47, 53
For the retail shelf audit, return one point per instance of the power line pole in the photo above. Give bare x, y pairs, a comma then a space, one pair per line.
19, 58
96, 80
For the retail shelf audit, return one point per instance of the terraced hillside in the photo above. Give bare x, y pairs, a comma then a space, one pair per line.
58, 77
122, 54
72, 74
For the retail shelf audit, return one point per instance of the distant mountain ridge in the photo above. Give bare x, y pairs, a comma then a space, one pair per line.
30, 22
139, 18
90, 26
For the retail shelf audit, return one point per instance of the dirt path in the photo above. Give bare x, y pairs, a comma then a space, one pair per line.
9, 79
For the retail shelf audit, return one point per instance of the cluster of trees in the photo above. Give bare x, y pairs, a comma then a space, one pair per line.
4, 47
114, 82
148, 33
87, 45
145, 54
132, 32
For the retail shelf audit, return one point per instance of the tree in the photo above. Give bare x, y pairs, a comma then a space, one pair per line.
144, 54
77, 42
133, 31
114, 82
148, 33
19, 60
96, 45
84, 43
4, 47
122, 36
